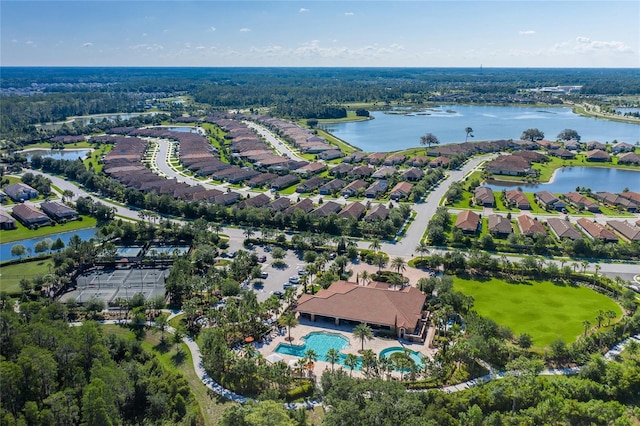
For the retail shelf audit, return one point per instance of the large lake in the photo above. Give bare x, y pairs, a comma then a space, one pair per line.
59, 154
568, 178
396, 131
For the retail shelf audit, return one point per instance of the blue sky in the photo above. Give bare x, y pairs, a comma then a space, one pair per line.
321, 33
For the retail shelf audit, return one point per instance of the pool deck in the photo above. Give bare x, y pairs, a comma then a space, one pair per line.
306, 326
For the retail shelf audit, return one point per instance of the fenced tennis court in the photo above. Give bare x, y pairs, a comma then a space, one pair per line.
110, 284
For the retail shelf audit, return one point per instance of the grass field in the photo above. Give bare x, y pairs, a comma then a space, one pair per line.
11, 275
544, 310
211, 409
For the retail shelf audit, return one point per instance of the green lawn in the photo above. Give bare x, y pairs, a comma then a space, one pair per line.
21, 232
94, 159
11, 275
544, 310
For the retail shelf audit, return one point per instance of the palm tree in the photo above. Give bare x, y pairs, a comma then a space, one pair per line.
351, 361
422, 248
288, 320
468, 131
332, 357
600, 318
364, 276
248, 233
375, 245
610, 315
363, 332
429, 139
310, 357
380, 260
398, 264
386, 366
586, 324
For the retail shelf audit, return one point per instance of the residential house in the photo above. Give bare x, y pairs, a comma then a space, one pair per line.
306, 205
327, 208
629, 158
284, 182
530, 226
394, 159
499, 226
341, 170
353, 188
597, 155
227, 198
572, 145
625, 230
311, 169
596, 145
616, 201
622, 147
563, 153
362, 171
468, 222
376, 188
259, 200
279, 204
563, 229
376, 157
440, 162
549, 201
531, 156
311, 184
400, 191
517, 199
352, 211
413, 174
384, 172
58, 211
330, 154
509, 165
29, 216
483, 197
354, 157
261, 179
419, 161
377, 212
597, 231
20, 192
6, 221
331, 187
581, 202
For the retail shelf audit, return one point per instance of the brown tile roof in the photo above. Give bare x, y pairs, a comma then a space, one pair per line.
379, 303
518, 198
529, 226
352, 211
468, 221
596, 230
563, 229
499, 224
625, 229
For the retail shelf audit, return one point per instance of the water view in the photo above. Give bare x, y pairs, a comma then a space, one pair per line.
402, 129
59, 154
29, 244
568, 178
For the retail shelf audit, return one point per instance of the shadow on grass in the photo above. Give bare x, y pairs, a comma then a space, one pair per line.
163, 346
178, 358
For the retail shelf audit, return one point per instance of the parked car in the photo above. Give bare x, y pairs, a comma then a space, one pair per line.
294, 279
262, 259
264, 275
302, 272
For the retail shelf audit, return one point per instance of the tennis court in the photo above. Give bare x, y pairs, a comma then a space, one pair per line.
110, 284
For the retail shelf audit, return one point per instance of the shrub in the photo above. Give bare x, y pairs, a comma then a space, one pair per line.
303, 391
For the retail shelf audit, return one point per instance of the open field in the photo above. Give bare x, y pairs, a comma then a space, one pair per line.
545, 310
11, 275
22, 232
211, 409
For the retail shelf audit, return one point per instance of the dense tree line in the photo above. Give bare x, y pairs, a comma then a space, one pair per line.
53, 374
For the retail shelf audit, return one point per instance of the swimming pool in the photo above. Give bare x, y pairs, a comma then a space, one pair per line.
415, 356
319, 341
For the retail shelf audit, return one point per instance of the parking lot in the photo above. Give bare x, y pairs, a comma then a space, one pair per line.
275, 277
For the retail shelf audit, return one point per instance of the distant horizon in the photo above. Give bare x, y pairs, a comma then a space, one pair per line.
314, 67
319, 34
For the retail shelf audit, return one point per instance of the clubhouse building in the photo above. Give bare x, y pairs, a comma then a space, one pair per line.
394, 309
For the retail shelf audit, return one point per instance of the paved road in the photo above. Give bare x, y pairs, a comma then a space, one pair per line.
281, 147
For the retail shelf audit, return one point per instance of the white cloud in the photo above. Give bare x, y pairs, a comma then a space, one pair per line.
245, 30
303, 10
526, 32
87, 44
213, 29
584, 45
147, 47
29, 42
144, 34
349, 14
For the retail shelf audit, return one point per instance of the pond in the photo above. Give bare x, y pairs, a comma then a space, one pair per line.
86, 119
401, 129
568, 178
5, 249
59, 154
